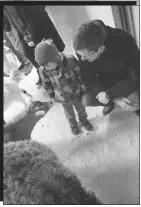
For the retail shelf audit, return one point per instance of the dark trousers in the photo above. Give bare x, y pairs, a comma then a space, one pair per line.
26, 51
69, 111
16, 53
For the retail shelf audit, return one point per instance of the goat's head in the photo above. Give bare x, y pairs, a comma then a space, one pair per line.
13, 131
38, 108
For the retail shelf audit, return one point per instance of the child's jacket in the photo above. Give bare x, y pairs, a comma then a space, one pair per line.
64, 82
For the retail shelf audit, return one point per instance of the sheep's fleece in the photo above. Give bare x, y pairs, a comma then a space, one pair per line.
34, 175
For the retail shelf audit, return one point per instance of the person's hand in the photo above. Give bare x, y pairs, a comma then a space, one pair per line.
51, 102
103, 98
62, 99
29, 41
126, 104
7, 49
59, 97
83, 87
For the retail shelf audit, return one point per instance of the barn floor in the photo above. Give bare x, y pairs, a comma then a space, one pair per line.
105, 160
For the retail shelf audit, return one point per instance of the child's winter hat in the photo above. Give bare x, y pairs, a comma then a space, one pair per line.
46, 52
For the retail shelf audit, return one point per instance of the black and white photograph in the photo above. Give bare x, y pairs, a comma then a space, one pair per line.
137, 1
71, 104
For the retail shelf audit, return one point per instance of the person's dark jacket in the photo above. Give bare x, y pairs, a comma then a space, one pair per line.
117, 70
6, 24
39, 24
19, 30
35, 20
15, 21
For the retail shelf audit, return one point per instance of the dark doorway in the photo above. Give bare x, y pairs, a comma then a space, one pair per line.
36, 20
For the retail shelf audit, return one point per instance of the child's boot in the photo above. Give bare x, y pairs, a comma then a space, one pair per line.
88, 126
75, 130
73, 125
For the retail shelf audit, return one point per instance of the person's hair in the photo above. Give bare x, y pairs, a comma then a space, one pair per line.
90, 35
33, 174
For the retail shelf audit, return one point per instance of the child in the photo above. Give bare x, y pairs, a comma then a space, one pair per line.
61, 78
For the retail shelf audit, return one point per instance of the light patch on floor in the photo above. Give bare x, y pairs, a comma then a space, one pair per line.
107, 160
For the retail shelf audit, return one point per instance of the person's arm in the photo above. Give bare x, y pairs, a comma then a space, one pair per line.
76, 68
46, 82
131, 83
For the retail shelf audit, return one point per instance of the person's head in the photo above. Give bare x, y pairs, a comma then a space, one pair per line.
33, 174
46, 54
89, 40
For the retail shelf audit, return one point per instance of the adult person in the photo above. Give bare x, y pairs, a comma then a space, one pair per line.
109, 59
7, 43
39, 26
14, 39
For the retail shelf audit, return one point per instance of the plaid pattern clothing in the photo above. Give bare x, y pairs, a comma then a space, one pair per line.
64, 82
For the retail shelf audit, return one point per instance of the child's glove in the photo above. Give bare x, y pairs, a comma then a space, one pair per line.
62, 99
83, 87
59, 96
53, 101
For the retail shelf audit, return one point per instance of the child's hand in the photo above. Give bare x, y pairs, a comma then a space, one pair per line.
103, 97
62, 100
83, 87
53, 100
